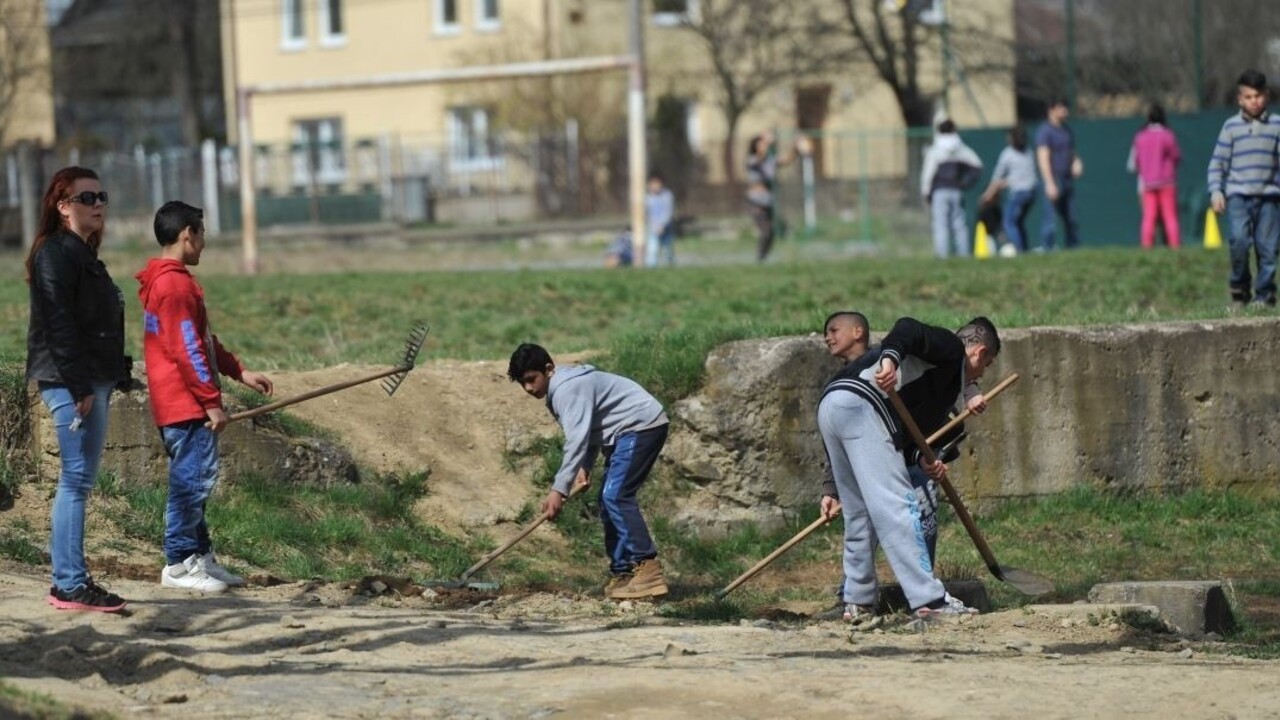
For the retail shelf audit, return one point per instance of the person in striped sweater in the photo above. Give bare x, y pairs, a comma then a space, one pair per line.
1244, 183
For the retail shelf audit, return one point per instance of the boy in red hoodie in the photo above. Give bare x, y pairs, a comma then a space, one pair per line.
183, 362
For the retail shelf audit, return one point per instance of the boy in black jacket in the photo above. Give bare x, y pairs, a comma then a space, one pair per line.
865, 442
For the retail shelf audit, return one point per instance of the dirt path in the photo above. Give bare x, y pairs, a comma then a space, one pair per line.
304, 651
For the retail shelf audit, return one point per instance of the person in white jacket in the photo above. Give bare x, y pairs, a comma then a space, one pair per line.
950, 168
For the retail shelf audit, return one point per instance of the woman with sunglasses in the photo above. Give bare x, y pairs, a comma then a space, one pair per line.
75, 353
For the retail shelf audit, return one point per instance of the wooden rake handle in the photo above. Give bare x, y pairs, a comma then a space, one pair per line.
271, 407
956, 503
493, 555
813, 526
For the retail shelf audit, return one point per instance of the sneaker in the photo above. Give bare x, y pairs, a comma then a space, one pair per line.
857, 613
190, 575
210, 565
90, 596
617, 582
946, 605
646, 582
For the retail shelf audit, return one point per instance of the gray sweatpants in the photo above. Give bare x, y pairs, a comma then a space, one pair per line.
878, 500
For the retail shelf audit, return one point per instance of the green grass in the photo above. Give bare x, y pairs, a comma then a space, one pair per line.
24, 705
19, 542
293, 531
658, 325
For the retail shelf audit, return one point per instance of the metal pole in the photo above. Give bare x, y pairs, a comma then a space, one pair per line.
248, 200
635, 131
210, 187
1196, 20
1071, 54
946, 60
29, 193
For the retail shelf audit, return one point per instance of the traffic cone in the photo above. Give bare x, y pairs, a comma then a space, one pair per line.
1212, 237
981, 242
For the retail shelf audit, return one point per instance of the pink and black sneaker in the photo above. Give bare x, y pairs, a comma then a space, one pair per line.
89, 596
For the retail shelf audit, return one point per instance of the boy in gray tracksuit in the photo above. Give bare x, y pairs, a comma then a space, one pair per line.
930, 366
601, 411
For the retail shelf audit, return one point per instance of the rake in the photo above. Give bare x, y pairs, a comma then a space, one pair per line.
391, 378
816, 524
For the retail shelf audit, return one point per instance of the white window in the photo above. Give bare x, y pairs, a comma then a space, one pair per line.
317, 148
293, 31
333, 31
472, 144
488, 14
671, 13
447, 17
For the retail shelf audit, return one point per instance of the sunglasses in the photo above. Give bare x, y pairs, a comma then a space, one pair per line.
88, 197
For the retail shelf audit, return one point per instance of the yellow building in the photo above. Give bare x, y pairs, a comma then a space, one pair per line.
24, 50
287, 42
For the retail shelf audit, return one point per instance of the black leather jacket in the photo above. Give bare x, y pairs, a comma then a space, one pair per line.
76, 334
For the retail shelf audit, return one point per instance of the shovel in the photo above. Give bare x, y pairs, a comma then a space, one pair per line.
813, 526
1025, 582
393, 377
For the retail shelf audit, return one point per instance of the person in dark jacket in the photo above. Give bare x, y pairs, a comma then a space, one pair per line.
75, 354
865, 441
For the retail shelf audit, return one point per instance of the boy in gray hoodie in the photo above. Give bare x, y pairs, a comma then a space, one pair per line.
950, 168
601, 411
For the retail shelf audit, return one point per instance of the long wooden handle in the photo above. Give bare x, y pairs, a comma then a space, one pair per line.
813, 526
961, 511
493, 555
990, 394
264, 409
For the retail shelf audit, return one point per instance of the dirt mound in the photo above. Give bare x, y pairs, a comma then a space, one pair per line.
456, 420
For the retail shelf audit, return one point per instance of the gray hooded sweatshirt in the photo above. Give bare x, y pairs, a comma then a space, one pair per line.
593, 408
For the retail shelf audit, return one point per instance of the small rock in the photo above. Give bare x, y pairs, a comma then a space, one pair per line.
175, 699
1187, 653
762, 623
1053, 656
1067, 623
1212, 637
480, 606
674, 650
289, 621
215, 679
430, 594
1020, 623
744, 623
1113, 626
377, 587
1128, 649
626, 606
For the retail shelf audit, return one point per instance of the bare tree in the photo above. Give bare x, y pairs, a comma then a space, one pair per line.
24, 63
754, 46
894, 37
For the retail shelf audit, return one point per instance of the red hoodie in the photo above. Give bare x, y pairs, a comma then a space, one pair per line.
182, 375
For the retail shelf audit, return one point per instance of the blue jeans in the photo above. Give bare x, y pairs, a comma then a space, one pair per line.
949, 223
626, 467
1064, 207
1255, 223
665, 242
1016, 206
193, 473
80, 452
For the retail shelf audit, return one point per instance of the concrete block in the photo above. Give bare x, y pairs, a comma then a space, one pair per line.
1191, 607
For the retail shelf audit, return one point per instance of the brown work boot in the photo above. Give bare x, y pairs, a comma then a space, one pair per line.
616, 583
646, 582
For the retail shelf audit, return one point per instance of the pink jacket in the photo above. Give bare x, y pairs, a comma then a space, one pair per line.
1155, 156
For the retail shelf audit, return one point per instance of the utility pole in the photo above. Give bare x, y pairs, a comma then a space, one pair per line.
945, 32
638, 155
1197, 17
244, 141
1071, 54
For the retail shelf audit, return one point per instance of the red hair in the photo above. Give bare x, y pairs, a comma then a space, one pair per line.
50, 219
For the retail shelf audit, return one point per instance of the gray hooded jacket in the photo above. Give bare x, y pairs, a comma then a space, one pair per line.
593, 408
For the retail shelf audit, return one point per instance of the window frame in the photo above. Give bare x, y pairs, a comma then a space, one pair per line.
331, 163
492, 158
675, 19
324, 20
289, 18
440, 27
485, 23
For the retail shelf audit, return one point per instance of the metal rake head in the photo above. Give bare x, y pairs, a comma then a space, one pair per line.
412, 346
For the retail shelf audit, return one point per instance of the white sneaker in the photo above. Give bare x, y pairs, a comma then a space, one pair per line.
951, 606
210, 565
189, 575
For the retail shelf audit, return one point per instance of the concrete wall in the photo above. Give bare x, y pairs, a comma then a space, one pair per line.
1127, 407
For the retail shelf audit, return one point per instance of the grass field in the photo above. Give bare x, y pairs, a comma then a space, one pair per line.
657, 326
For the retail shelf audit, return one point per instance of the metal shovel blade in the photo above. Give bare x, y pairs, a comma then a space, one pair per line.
1027, 583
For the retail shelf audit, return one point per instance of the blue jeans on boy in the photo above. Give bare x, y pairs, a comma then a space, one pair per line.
664, 242
80, 452
949, 223
626, 467
1255, 223
1064, 207
1017, 204
193, 473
